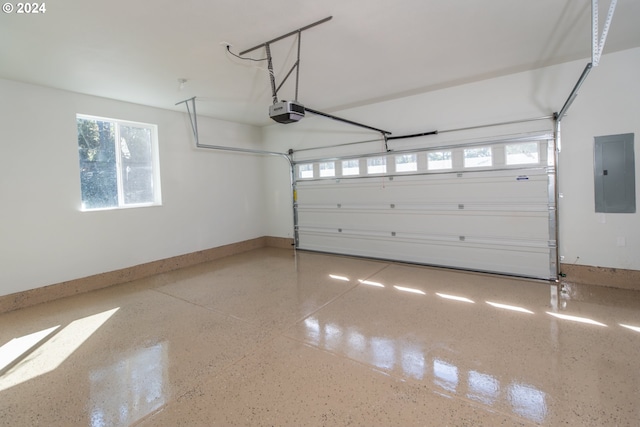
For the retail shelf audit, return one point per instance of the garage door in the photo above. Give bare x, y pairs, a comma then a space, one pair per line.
482, 206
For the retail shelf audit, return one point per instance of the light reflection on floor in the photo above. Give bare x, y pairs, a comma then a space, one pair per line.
129, 389
55, 350
11, 352
388, 354
483, 388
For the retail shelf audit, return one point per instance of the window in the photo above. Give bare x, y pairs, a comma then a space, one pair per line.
119, 164
406, 163
439, 160
328, 169
477, 157
305, 171
521, 154
377, 165
350, 167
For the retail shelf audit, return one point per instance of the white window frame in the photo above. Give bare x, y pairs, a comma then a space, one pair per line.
155, 163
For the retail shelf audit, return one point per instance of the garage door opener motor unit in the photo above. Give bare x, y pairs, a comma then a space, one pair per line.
286, 111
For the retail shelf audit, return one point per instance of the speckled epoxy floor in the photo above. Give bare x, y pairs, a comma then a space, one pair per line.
270, 337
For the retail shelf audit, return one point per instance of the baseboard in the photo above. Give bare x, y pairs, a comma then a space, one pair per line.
86, 284
279, 242
601, 276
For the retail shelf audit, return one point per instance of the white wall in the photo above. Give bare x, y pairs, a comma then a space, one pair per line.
608, 103
209, 198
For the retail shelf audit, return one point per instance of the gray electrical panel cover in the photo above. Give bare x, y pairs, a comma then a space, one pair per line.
615, 180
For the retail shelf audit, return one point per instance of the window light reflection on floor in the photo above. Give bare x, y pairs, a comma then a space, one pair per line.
410, 290
509, 307
483, 388
370, 283
414, 359
312, 326
575, 318
383, 352
333, 336
455, 298
336, 277
55, 350
527, 401
14, 349
132, 387
445, 375
633, 328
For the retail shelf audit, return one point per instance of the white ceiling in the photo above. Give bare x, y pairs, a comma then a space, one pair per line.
371, 50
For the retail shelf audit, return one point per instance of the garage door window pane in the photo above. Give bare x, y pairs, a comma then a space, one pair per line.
377, 165
350, 167
439, 160
522, 154
477, 157
328, 169
406, 163
305, 171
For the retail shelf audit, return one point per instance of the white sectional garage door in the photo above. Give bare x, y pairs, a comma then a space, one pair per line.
484, 207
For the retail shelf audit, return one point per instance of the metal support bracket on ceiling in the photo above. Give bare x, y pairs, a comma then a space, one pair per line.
296, 65
193, 120
596, 52
598, 45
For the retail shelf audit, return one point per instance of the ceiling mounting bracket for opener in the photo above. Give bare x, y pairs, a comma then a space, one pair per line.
296, 65
293, 111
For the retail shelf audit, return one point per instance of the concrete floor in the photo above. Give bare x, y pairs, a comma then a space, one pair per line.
270, 337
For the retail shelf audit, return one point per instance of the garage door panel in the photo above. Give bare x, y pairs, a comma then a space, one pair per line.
514, 259
489, 224
497, 219
481, 208
534, 189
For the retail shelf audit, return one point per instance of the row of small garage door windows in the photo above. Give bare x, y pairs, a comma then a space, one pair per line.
477, 157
